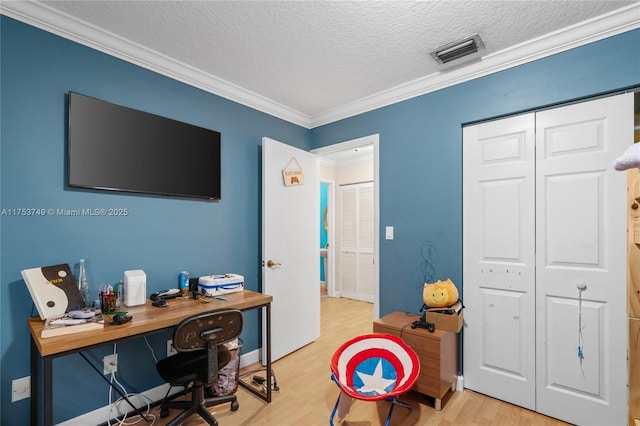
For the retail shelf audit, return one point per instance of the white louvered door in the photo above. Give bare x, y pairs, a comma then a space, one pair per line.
357, 241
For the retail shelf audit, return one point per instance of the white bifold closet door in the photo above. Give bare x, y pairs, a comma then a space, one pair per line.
357, 241
543, 216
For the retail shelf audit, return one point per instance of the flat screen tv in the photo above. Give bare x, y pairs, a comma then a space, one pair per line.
116, 148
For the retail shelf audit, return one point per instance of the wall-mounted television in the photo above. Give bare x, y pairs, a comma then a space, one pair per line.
113, 147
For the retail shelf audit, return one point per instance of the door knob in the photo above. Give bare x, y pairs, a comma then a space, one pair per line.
272, 264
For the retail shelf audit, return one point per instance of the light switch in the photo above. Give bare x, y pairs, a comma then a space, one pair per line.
388, 232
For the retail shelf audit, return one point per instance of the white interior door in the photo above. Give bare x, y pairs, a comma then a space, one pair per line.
581, 234
499, 259
290, 240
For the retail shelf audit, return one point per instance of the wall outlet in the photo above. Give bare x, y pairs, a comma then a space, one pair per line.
170, 349
20, 388
110, 364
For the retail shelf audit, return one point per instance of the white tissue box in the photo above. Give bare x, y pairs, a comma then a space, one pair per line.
135, 287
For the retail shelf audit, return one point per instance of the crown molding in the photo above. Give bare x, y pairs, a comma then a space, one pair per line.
51, 20
616, 22
41, 16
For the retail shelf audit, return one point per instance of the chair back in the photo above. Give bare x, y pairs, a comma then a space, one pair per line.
203, 330
206, 332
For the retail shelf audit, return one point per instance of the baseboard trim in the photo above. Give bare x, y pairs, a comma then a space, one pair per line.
101, 415
460, 384
250, 358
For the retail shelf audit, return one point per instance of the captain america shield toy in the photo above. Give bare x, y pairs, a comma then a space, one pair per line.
375, 366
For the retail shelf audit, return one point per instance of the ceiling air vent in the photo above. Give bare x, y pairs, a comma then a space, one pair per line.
465, 48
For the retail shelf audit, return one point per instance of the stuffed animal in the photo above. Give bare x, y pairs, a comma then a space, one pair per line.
440, 294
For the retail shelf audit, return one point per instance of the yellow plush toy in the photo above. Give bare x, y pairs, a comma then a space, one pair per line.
440, 294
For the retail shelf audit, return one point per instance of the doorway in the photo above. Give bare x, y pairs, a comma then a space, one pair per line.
326, 194
341, 163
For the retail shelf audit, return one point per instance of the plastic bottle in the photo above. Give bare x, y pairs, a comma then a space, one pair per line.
119, 290
83, 285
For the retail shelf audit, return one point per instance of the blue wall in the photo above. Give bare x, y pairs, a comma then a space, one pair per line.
160, 235
420, 185
421, 152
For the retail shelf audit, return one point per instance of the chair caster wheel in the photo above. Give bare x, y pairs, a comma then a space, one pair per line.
235, 405
164, 412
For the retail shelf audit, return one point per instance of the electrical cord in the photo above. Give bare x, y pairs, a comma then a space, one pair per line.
580, 338
153, 353
118, 402
403, 327
261, 381
117, 390
124, 396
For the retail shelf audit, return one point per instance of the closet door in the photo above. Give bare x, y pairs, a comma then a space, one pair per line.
581, 240
357, 241
498, 250
527, 314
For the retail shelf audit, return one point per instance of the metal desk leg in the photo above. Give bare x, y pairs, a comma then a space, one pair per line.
48, 390
34, 384
47, 378
268, 343
266, 396
47, 399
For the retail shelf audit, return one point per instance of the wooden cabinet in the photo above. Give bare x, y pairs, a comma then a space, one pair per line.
633, 244
438, 353
634, 372
633, 293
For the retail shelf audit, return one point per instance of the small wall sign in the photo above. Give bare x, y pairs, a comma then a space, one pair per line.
292, 176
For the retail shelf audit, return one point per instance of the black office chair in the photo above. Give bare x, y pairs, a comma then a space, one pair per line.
201, 353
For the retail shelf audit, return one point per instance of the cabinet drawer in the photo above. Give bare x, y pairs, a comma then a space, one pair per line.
429, 366
429, 345
433, 387
427, 385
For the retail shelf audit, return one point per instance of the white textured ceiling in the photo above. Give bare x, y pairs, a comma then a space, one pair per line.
312, 61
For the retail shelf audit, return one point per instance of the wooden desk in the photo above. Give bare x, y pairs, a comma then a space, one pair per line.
147, 319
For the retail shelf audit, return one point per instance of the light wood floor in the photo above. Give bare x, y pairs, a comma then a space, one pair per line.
307, 394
